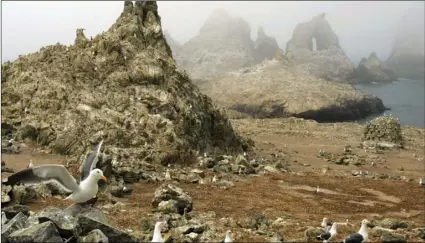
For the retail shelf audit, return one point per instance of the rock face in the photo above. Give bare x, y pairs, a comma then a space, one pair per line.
273, 89
373, 69
327, 60
407, 56
123, 86
223, 44
265, 46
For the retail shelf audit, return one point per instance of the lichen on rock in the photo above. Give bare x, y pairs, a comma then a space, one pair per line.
384, 129
123, 86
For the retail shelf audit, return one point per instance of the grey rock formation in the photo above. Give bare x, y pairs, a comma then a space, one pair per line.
37, 233
66, 225
265, 46
12, 211
123, 86
373, 69
89, 224
16, 223
315, 49
223, 44
170, 198
94, 236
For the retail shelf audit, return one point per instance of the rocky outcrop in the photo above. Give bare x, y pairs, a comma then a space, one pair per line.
265, 46
407, 56
373, 69
122, 86
55, 225
315, 50
223, 44
273, 89
384, 129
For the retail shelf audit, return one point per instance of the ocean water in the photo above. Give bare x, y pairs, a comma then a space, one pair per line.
405, 98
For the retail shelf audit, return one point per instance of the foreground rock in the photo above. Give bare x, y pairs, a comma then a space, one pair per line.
373, 69
124, 86
328, 60
55, 225
273, 89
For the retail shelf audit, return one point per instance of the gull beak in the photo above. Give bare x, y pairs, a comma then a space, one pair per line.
104, 178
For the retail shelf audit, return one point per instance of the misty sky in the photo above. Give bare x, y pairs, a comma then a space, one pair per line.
362, 27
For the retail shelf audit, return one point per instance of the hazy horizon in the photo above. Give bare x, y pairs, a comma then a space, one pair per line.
362, 27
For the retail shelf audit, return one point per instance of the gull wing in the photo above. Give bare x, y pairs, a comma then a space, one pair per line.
91, 162
44, 174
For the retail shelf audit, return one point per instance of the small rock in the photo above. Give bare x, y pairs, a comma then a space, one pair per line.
193, 237
5, 198
393, 224
312, 233
66, 225
388, 237
170, 206
94, 236
193, 178
146, 224
221, 168
12, 211
168, 192
199, 172
23, 194
241, 160
223, 184
270, 169
420, 233
117, 191
38, 233
16, 223
88, 224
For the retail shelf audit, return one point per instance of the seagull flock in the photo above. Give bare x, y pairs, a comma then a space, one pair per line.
87, 188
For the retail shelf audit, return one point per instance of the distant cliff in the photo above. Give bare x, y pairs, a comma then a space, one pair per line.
407, 57
328, 61
224, 45
372, 69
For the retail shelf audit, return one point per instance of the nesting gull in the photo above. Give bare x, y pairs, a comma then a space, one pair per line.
91, 162
167, 175
30, 165
228, 239
157, 237
326, 224
361, 236
328, 235
317, 190
421, 182
80, 192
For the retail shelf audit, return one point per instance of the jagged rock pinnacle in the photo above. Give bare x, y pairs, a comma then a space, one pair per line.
81, 40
